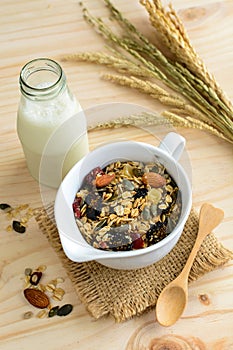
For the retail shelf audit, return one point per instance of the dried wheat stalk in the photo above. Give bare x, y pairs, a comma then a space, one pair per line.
198, 100
175, 37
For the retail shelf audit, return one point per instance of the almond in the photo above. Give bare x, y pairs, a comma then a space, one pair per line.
104, 180
153, 179
36, 298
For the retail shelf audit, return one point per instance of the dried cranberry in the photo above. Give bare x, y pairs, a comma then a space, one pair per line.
77, 213
92, 175
97, 171
77, 207
138, 242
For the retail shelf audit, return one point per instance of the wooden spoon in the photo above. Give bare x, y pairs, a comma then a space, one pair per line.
173, 299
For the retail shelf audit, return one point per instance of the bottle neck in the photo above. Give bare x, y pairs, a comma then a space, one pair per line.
42, 79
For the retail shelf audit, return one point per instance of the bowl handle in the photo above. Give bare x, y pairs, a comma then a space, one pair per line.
173, 144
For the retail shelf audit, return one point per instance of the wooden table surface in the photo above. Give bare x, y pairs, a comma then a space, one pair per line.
48, 28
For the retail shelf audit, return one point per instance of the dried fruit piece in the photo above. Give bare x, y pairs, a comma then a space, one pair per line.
18, 227
36, 298
92, 175
153, 179
65, 310
77, 207
104, 180
138, 242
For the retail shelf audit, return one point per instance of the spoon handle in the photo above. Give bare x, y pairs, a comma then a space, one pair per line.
209, 218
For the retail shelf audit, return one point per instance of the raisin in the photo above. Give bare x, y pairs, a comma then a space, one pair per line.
91, 213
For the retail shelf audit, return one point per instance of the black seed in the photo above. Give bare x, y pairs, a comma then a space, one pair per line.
53, 311
64, 310
18, 227
5, 206
140, 192
35, 278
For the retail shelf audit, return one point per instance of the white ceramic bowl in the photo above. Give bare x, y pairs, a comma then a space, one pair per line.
74, 245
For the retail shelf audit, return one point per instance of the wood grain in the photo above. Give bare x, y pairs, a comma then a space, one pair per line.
48, 28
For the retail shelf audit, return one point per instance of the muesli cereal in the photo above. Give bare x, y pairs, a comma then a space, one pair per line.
127, 205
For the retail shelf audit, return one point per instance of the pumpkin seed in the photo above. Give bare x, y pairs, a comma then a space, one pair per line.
146, 213
153, 209
128, 185
18, 227
53, 311
154, 195
137, 172
65, 310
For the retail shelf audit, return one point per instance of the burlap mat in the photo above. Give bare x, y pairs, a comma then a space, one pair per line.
124, 294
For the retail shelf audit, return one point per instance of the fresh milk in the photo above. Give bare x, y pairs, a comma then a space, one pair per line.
53, 136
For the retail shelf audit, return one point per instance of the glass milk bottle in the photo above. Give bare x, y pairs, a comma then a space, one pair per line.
50, 123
